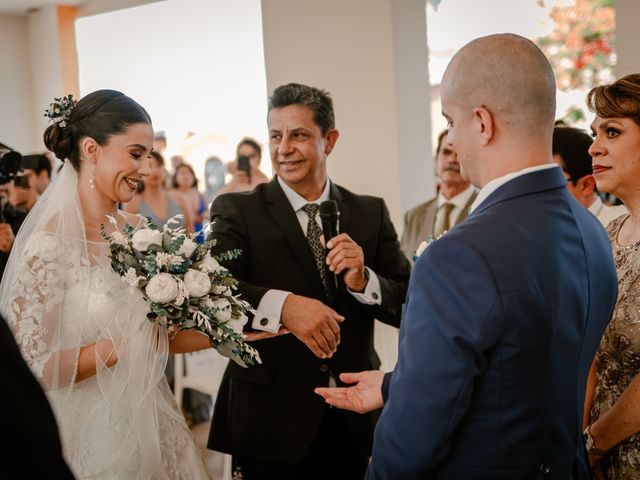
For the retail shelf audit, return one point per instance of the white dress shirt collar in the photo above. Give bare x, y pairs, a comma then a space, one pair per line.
596, 206
297, 201
496, 183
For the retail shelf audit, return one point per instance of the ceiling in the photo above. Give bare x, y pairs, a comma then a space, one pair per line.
21, 6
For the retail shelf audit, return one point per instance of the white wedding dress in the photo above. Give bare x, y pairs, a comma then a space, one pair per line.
87, 448
59, 295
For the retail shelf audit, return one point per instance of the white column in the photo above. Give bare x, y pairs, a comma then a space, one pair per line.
626, 42
45, 63
413, 95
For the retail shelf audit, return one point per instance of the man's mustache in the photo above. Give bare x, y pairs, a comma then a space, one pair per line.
452, 167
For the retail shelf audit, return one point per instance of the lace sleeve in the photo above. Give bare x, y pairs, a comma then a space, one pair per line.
43, 272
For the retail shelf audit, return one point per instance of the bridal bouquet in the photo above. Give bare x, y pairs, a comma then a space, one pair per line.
186, 287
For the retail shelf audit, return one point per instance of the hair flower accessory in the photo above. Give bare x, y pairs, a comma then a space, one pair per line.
60, 110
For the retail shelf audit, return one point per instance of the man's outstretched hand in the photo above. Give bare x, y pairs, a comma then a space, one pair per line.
362, 397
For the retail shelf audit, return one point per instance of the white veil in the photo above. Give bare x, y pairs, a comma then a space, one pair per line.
59, 296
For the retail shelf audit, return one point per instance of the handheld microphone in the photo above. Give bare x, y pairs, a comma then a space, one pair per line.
330, 219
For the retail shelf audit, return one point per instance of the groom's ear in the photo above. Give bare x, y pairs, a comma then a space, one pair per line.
484, 125
89, 149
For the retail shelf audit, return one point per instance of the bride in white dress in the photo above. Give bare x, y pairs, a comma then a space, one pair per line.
81, 330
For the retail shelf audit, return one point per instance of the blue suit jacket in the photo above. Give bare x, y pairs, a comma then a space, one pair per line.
502, 320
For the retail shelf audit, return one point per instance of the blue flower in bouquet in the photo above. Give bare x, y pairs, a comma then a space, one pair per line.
186, 287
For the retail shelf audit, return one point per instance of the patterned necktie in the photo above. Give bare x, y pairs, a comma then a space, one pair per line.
445, 224
313, 238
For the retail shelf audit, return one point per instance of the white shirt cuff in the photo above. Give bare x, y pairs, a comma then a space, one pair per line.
268, 313
372, 294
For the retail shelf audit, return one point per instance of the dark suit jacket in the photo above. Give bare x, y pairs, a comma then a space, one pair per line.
420, 222
31, 441
270, 412
503, 317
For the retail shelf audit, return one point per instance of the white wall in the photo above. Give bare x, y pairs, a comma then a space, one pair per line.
16, 120
627, 17
413, 96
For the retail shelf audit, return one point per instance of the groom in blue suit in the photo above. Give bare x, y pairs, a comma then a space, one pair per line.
504, 313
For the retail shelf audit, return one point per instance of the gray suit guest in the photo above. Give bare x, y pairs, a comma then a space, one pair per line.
447, 209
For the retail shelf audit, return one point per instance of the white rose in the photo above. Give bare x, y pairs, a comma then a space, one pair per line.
162, 288
223, 309
145, 237
187, 248
198, 283
210, 264
238, 323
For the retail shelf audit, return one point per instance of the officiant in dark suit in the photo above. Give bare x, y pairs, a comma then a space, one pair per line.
267, 416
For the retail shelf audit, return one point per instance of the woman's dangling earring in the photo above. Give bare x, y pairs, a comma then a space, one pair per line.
92, 180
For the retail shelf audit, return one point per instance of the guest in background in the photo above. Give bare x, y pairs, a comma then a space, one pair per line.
505, 312
176, 161
155, 202
447, 209
243, 181
22, 195
185, 184
41, 166
571, 151
213, 177
613, 438
159, 142
22, 190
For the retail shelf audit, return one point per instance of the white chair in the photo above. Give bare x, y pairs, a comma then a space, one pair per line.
201, 371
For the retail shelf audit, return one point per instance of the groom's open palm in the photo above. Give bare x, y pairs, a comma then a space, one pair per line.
362, 397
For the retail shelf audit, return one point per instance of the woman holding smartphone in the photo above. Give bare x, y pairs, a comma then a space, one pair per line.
245, 170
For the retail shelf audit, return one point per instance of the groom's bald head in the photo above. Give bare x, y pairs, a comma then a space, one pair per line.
510, 77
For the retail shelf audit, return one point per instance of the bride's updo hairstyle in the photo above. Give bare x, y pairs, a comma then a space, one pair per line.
99, 115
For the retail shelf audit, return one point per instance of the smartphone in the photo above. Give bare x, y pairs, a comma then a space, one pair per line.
244, 165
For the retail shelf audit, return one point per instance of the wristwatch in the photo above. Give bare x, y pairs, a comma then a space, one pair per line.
589, 443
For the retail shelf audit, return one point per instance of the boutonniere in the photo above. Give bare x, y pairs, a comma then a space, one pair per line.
423, 246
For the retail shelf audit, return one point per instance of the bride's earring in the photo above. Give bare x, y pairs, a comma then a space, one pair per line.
92, 180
